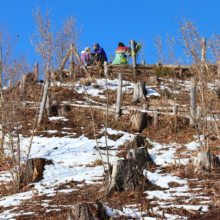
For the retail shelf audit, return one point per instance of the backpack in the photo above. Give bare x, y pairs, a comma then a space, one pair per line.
137, 47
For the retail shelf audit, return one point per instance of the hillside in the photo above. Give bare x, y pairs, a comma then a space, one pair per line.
175, 188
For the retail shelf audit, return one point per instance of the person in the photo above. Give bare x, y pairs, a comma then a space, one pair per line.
85, 56
120, 58
98, 55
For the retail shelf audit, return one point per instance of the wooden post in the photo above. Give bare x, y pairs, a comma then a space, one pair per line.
143, 62
199, 111
181, 73
9, 83
155, 119
71, 61
44, 98
106, 69
175, 107
119, 97
36, 70
24, 104
145, 106
22, 81
134, 58
175, 111
218, 68
192, 101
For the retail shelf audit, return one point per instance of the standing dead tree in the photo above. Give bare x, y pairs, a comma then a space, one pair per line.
52, 42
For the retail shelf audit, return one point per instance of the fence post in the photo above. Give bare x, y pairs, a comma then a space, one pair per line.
22, 81
218, 68
119, 97
143, 62
71, 61
134, 58
9, 83
106, 68
155, 119
199, 112
36, 70
45, 96
192, 101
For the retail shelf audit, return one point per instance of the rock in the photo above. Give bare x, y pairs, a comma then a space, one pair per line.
139, 121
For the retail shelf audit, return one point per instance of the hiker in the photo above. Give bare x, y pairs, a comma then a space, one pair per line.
98, 56
85, 56
120, 58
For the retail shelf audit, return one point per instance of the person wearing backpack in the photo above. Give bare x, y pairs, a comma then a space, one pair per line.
120, 58
137, 47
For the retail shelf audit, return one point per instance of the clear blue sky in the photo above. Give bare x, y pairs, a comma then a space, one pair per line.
111, 21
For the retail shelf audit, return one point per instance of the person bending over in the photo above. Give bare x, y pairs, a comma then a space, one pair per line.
99, 55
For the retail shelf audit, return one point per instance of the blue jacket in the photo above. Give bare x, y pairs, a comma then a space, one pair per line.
100, 51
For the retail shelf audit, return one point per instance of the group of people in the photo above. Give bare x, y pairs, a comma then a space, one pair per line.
99, 56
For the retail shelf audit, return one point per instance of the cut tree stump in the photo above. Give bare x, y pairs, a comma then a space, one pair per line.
125, 176
139, 121
141, 156
153, 80
34, 170
134, 142
206, 160
140, 93
87, 211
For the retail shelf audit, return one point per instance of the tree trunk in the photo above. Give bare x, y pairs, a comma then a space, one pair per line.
87, 211
33, 172
139, 121
139, 93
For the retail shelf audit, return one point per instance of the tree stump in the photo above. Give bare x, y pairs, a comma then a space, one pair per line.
152, 80
139, 121
87, 211
62, 110
141, 156
206, 160
134, 142
125, 175
140, 93
34, 170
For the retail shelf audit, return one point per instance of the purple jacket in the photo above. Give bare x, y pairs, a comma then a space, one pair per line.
101, 52
85, 58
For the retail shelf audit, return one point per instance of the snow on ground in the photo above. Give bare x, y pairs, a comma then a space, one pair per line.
70, 157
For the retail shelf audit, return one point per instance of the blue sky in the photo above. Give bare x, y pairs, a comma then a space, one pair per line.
111, 21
